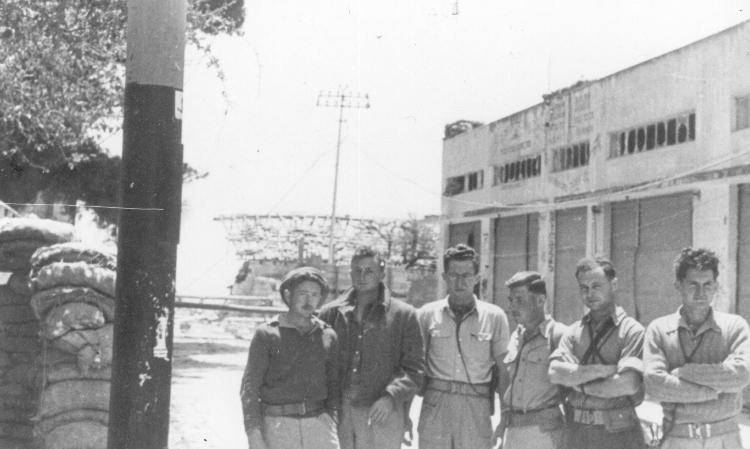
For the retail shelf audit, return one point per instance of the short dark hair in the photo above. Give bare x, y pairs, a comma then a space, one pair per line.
700, 259
364, 252
592, 263
531, 279
461, 252
300, 275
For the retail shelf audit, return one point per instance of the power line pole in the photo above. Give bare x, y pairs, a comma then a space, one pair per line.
151, 187
340, 99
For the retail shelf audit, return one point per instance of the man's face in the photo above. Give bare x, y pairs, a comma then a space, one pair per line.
460, 278
597, 292
305, 298
525, 307
697, 289
366, 274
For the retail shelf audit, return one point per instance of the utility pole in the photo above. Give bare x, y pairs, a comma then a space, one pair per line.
151, 188
340, 99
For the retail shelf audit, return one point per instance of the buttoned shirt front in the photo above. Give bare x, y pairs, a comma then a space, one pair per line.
463, 350
708, 387
380, 355
527, 363
623, 346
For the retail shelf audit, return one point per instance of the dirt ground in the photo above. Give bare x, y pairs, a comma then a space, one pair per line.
209, 358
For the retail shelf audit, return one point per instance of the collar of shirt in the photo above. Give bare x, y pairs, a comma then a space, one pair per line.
382, 303
449, 311
283, 321
617, 316
710, 322
542, 329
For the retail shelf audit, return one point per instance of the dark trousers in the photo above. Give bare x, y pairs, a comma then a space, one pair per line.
593, 436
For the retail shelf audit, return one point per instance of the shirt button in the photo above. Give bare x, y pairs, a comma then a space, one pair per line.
354, 370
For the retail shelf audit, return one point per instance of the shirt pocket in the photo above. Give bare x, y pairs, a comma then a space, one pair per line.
441, 342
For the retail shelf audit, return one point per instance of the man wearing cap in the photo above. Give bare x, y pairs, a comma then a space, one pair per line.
290, 389
697, 361
464, 339
382, 360
599, 359
531, 404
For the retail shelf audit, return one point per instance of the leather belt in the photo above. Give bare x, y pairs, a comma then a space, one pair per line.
704, 430
455, 387
544, 416
589, 416
309, 408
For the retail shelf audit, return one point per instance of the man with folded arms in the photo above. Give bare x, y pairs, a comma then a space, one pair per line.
464, 338
290, 389
697, 361
531, 409
599, 360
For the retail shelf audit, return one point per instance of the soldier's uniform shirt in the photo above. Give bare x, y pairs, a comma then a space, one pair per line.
707, 389
453, 420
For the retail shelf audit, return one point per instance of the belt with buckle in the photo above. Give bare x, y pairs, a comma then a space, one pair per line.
454, 387
704, 430
587, 416
309, 408
540, 416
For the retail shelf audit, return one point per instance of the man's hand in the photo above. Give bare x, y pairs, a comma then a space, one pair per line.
380, 410
498, 435
255, 440
608, 370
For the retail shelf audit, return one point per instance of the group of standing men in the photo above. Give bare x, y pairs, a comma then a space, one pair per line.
346, 377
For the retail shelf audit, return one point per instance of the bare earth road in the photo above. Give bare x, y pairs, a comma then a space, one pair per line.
208, 363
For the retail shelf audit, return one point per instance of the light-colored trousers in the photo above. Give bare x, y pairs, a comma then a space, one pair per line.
454, 421
288, 432
727, 441
355, 431
532, 438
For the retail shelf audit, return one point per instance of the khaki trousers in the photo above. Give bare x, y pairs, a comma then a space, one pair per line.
454, 421
287, 432
355, 432
531, 437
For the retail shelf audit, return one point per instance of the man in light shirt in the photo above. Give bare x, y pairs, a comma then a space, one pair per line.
697, 361
464, 338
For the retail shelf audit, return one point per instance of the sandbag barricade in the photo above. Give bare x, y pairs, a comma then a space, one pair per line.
20, 343
74, 302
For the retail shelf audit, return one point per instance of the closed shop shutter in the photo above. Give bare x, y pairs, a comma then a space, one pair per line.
570, 247
516, 247
466, 233
646, 237
743, 253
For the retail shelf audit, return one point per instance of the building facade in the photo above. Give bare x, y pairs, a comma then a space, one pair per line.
633, 166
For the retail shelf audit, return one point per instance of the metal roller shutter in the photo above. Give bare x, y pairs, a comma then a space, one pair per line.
647, 234
570, 247
516, 247
743, 252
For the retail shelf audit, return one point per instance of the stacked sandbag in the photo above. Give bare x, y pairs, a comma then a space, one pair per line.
74, 288
20, 345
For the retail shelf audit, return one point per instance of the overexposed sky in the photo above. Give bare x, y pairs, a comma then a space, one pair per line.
268, 148
424, 63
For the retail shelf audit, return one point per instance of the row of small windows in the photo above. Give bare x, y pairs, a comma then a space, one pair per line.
517, 171
464, 183
655, 135
573, 156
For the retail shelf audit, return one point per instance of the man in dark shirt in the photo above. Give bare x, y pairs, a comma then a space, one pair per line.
290, 389
382, 359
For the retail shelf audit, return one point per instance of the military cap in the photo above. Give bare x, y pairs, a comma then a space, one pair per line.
301, 274
523, 278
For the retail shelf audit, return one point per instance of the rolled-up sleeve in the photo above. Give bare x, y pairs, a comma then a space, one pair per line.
631, 355
662, 385
733, 374
252, 379
408, 379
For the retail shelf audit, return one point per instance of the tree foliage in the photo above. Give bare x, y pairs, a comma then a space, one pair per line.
62, 76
